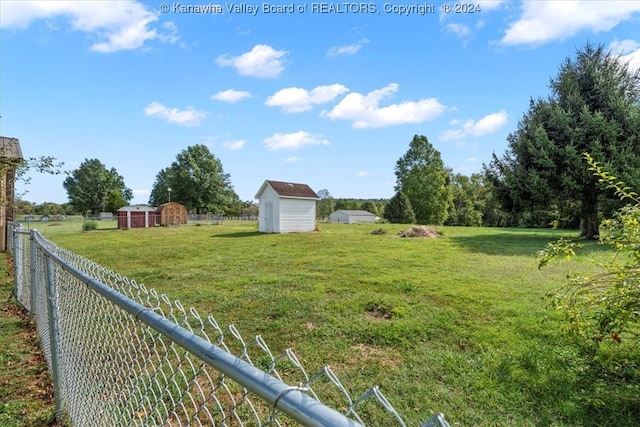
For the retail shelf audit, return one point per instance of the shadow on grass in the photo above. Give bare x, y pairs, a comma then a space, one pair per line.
240, 234
513, 242
567, 385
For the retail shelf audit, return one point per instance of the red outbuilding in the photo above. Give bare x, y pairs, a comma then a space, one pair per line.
137, 216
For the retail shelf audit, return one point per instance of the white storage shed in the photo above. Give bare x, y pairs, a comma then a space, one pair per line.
344, 216
286, 207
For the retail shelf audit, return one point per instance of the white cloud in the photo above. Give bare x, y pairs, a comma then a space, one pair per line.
633, 59
542, 22
460, 30
115, 25
188, 117
291, 159
365, 111
363, 173
351, 49
262, 61
487, 5
230, 95
490, 123
624, 46
296, 100
463, 31
235, 145
293, 141
629, 51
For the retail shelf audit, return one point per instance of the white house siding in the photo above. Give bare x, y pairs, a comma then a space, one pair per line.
339, 216
269, 196
351, 218
291, 207
358, 219
297, 215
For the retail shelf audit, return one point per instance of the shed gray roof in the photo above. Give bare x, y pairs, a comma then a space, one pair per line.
355, 212
10, 148
136, 208
289, 189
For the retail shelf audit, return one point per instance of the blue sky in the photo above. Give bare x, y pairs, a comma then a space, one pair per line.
328, 94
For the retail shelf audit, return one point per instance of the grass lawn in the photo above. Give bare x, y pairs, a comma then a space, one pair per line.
454, 324
26, 394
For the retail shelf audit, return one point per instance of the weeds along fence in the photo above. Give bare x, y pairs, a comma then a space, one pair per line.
122, 355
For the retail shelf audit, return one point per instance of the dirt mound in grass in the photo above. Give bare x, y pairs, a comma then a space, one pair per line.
419, 231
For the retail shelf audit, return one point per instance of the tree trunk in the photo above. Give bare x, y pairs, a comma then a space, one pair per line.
589, 219
589, 226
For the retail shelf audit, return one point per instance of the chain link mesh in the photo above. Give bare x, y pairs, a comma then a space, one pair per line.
111, 369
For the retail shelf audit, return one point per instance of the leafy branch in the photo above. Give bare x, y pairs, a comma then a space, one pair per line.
610, 181
605, 305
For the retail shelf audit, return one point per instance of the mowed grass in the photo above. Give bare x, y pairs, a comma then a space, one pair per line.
26, 393
454, 324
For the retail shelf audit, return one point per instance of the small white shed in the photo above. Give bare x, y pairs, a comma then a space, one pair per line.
286, 207
344, 216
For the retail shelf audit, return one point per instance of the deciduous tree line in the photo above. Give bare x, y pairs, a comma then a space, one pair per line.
195, 179
427, 192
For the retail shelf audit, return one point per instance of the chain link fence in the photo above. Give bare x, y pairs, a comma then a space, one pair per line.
122, 355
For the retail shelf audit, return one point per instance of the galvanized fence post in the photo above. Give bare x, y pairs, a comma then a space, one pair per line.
10, 237
53, 331
33, 280
16, 251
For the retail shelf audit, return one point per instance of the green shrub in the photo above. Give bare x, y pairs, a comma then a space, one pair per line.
605, 306
90, 225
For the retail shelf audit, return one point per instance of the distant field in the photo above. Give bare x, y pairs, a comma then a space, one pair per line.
454, 324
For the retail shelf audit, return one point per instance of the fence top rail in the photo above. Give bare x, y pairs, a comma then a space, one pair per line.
290, 400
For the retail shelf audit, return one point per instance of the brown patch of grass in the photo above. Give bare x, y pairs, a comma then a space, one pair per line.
309, 325
378, 314
379, 356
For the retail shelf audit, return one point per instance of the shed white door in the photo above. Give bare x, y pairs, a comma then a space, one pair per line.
268, 217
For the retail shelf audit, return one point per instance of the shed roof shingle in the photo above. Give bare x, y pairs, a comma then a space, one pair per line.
290, 189
10, 148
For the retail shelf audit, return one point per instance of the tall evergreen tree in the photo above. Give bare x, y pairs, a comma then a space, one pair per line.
594, 107
399, 210
422, 177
